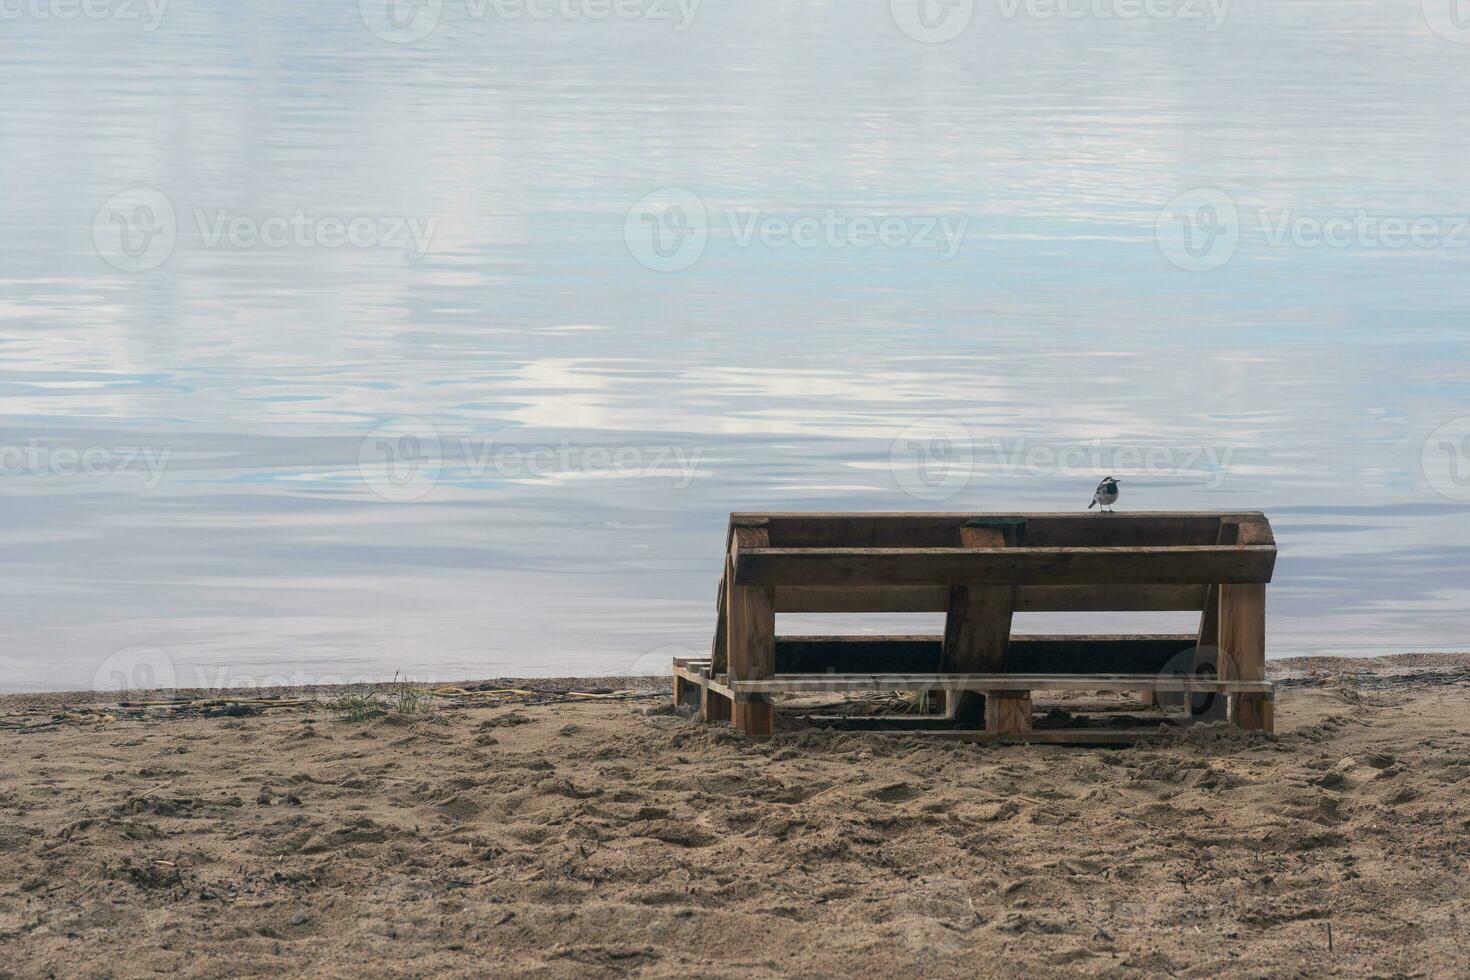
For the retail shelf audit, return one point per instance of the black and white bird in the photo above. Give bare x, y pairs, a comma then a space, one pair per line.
1105, 494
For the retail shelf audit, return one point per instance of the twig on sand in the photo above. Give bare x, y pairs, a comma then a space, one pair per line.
149, 792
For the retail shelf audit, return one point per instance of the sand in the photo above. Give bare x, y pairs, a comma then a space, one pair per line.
610, 837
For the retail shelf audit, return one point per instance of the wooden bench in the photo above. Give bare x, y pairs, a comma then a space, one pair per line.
979, 570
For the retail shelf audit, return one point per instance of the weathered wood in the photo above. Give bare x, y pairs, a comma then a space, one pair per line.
714, 698
1102, 597
1242, 629
980, 569
1008, 712
1002, 566
1254, 712
1033, 654
750, 623
1246, 529
806, 683
977, 626
719, 652
1081, 529
713, 705
1049, 736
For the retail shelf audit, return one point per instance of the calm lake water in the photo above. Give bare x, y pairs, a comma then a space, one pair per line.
340, 339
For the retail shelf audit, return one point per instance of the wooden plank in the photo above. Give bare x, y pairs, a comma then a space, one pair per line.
714, 706
715, 699
1008, 712
750, 623
923, 598
1047, 736
1136, 597
1080, 529
719, 648
719, 652
1242, 632
1033, 654
1002, 566
809, 683
977, 626
1259, 531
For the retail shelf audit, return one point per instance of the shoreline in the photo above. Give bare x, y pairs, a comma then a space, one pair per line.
1288, 670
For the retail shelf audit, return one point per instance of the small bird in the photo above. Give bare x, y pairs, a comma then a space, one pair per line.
1105, 494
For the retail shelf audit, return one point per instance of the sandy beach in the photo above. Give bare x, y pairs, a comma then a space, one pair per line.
555, 836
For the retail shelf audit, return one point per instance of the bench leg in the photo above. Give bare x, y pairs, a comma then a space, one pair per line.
714, 707
977, 627
1008, 712
1255, 713
750, 637
755, 718
1243, 651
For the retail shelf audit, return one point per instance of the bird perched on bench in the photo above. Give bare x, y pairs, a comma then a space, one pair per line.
1105, 494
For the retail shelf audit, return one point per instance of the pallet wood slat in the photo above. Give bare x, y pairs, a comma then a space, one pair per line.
1108, 597
1187, 565
798, 530
796, 683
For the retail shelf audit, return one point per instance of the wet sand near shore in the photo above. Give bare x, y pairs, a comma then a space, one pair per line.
559, 835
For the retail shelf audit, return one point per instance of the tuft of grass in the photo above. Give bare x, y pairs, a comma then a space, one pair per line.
410, 699
359, 706
918, 703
